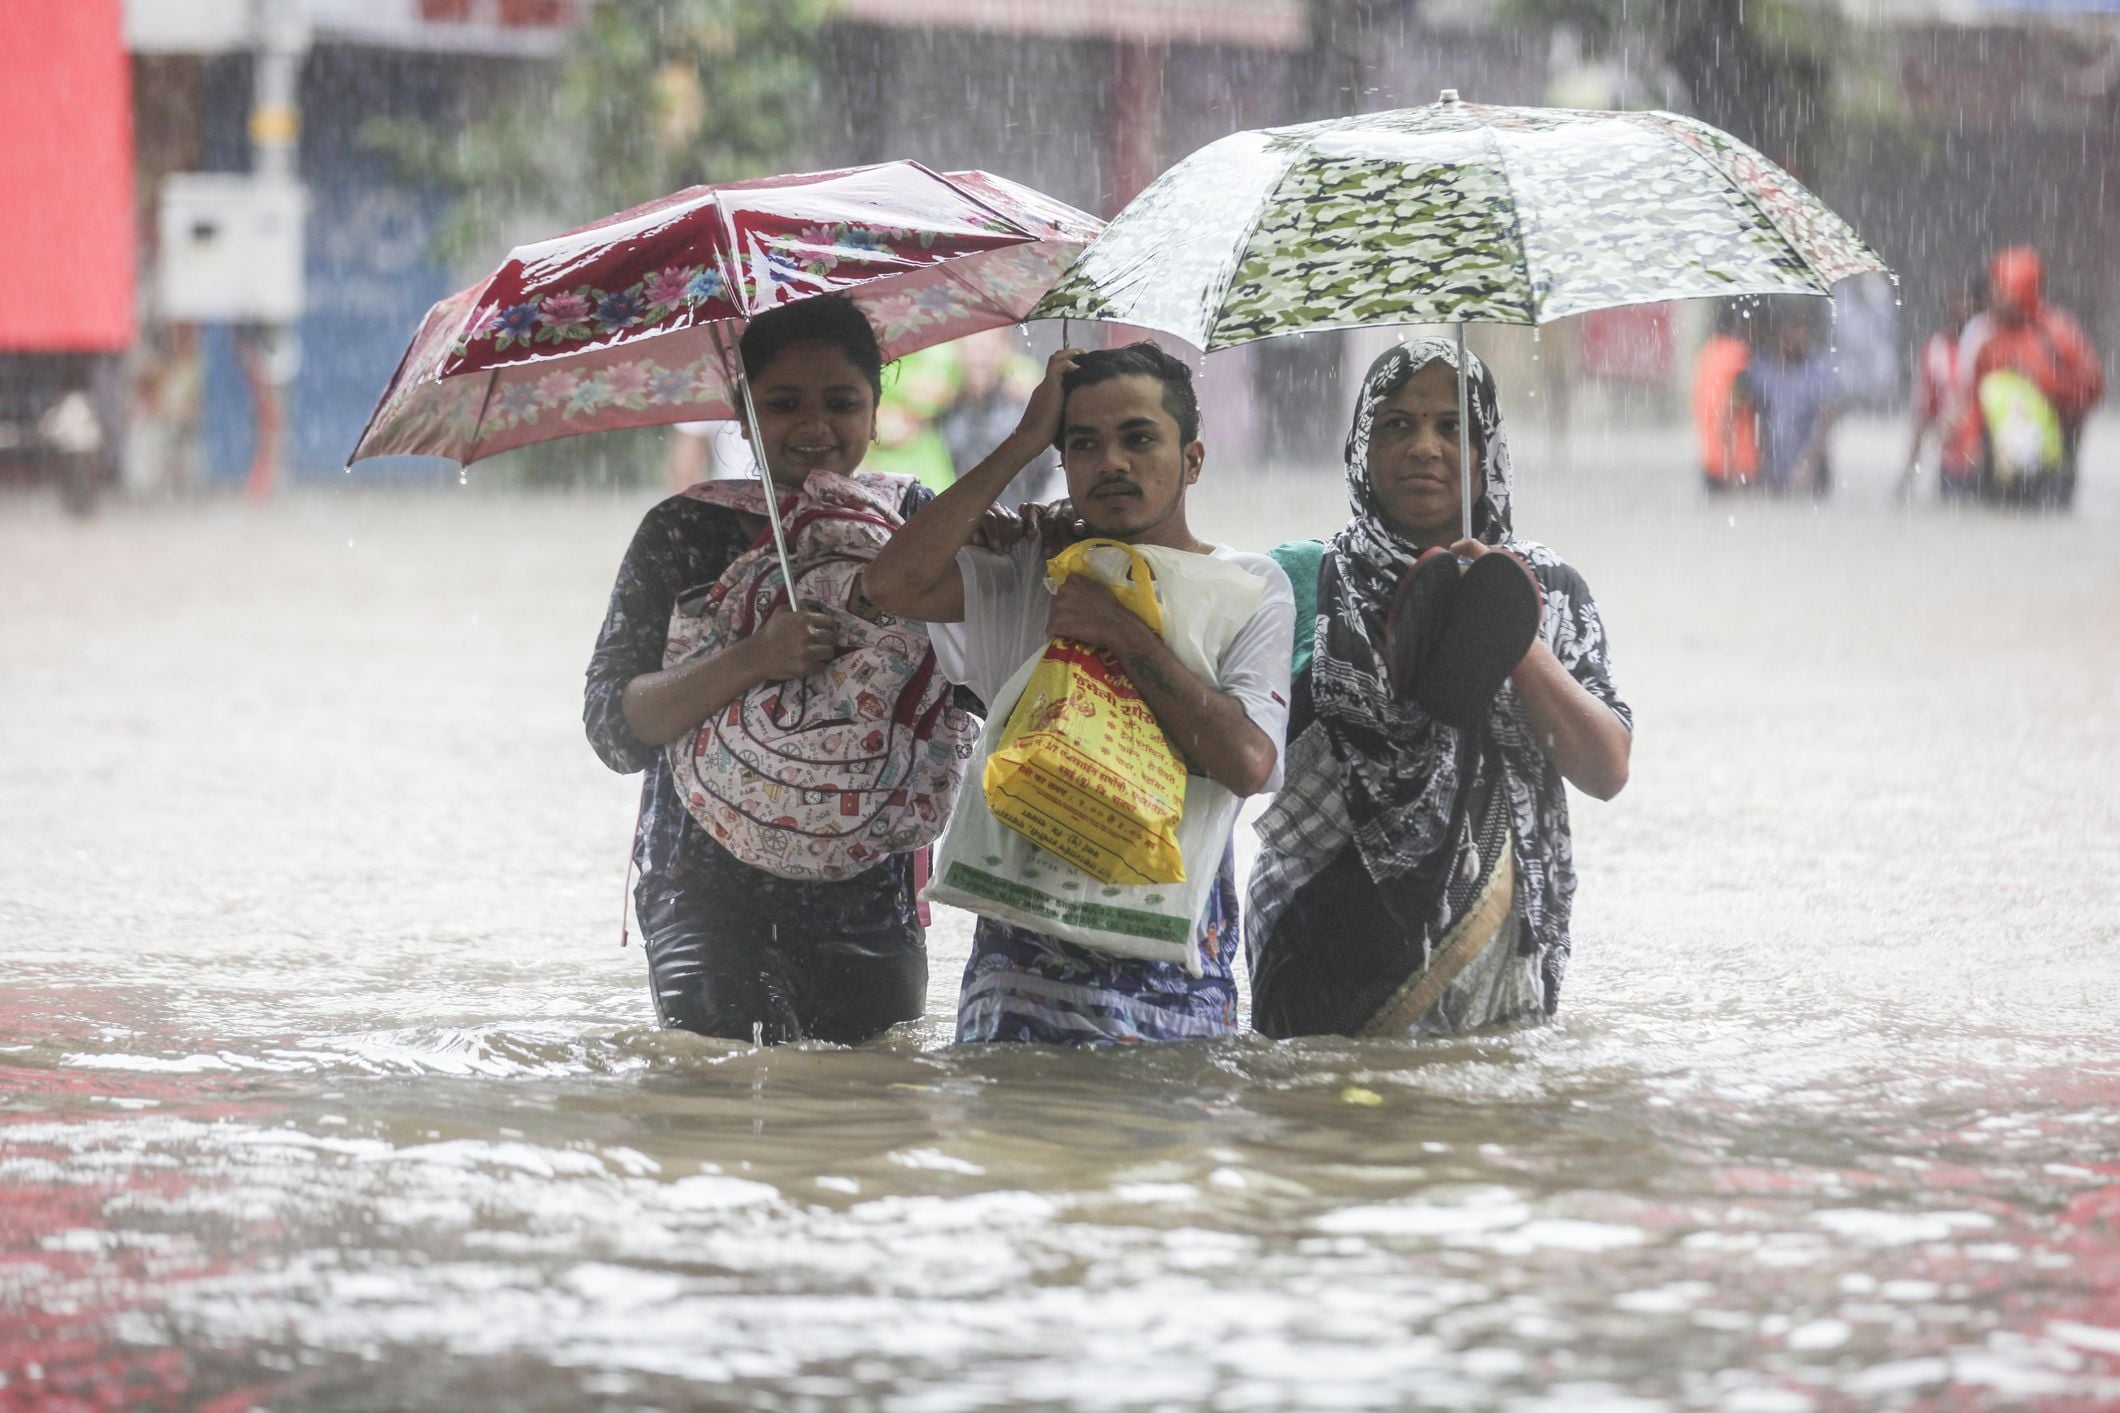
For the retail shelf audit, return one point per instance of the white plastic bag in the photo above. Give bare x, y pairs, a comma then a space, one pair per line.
985, 867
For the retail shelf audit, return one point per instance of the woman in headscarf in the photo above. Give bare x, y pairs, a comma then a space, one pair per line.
1416, 873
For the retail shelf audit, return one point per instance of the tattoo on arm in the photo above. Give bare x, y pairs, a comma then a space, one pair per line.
1148, 674
1145, 670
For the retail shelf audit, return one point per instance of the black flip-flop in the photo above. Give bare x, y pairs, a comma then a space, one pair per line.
1494, 619
1413, 625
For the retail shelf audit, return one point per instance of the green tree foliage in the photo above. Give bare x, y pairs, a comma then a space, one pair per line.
651, 96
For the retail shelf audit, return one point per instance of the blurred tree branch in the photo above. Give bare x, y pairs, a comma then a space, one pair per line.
650, 97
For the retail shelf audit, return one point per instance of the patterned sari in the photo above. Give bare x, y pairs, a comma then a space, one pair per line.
1413, 877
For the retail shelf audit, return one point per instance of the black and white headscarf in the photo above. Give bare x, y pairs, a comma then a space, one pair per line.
1401, 770
1393, 369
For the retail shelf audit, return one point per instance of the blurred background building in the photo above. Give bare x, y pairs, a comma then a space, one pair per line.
226, 216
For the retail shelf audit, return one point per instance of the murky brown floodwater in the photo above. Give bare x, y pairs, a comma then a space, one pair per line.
324, 1084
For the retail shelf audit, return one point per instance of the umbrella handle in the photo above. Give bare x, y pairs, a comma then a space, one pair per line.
1464, 433
765, 473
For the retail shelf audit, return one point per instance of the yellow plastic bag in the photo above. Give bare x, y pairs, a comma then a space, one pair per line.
1083, 769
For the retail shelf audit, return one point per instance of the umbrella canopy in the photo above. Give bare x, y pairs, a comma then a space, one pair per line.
634, 320
1450, 213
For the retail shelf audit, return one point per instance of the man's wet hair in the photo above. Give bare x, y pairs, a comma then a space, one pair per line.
831, 319
1141, 359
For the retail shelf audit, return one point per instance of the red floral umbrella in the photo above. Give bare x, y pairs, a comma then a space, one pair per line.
633, 321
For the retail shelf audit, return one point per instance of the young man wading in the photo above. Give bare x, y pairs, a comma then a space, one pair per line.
1127, 424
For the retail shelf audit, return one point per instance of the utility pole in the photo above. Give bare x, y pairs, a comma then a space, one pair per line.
269, 352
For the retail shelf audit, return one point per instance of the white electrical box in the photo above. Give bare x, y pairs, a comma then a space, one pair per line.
190, 26
231, 249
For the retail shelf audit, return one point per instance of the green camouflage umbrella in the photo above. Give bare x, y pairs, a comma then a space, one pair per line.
1448, 214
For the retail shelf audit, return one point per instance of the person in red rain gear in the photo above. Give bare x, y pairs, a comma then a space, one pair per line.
2023, 334
1938, 406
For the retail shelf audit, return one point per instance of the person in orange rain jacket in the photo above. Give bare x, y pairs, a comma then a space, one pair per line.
1723, 420
2022, 333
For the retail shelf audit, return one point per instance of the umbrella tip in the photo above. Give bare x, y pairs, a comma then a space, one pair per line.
1449, 96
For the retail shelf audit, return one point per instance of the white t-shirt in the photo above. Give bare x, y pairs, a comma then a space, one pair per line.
1005, 607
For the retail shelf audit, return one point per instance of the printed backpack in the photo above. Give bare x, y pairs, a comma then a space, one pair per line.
819, 777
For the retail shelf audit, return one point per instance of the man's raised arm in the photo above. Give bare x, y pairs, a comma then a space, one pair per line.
915, 575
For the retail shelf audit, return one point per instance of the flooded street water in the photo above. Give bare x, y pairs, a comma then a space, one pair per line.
325, 1083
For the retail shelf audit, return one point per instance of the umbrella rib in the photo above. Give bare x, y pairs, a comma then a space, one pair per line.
948, 267
980, 299
1751, 200
478, 423
732, 269
1236, 260
977, 200
1516, 223
381, 402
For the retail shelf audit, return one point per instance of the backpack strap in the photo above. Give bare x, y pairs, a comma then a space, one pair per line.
1302, 560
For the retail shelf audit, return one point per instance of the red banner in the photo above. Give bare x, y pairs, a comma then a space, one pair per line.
1631, 344
66, 166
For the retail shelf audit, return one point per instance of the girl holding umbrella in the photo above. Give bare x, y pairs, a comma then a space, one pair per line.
735, 950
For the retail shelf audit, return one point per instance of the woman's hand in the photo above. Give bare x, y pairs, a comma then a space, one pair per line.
1056, 525
1000, 530
1040, 424
1469, 551
792, 644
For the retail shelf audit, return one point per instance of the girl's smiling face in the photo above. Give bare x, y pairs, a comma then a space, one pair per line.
816, 412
